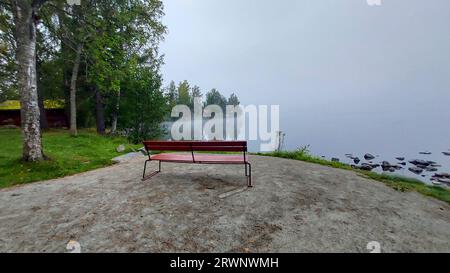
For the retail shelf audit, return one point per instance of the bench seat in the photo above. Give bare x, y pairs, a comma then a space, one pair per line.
192, 152
199, 158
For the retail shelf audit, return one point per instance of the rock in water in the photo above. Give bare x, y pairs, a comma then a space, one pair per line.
444, 180
400, 158
369, 157
419, 162
442, 175
431, 169
416, 170
385, 164
425, 153
446, 153
356, 160
368, 167
121, 148
334, 159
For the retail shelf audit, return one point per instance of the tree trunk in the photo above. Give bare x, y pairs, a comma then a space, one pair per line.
99, 112
24, 20
73, 90
115, 115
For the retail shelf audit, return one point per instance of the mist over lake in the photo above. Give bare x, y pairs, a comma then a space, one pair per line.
349, 77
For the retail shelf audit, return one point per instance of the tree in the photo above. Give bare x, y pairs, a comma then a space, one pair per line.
127, 41
25, 14
8, 70
214, 97
184, 96
195, 93
144, 105
233, 100
172, 94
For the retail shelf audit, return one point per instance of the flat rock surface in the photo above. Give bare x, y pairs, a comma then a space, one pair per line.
294, 207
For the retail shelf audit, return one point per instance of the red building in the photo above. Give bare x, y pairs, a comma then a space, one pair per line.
56, 116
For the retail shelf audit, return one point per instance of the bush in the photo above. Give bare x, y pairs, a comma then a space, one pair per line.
143, 106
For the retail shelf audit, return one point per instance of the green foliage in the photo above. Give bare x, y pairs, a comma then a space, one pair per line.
171, 94
233, 100
399, 183
214, 97
67, 155
117, 37
184, 96
143, 106
8, 84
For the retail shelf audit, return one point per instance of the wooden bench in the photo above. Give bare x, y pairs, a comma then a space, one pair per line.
198, 146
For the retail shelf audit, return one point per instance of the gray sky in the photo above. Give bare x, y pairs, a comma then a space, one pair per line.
340, 58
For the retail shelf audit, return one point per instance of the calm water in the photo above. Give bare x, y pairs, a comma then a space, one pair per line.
384, 136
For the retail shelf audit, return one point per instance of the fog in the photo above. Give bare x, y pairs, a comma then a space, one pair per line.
349, 77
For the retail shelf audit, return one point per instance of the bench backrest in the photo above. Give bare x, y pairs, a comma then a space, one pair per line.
197, 146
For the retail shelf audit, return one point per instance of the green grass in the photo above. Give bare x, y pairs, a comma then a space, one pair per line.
66, 154
399, 183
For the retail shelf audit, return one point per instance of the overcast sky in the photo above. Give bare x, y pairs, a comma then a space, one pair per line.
339, 58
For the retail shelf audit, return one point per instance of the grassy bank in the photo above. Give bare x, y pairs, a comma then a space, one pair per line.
399, 183
67, 155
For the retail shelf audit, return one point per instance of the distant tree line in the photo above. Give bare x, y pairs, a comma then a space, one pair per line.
184, 94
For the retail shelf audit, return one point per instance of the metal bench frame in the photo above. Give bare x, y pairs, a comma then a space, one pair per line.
198, 146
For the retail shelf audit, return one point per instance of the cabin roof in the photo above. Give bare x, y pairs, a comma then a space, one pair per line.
15, 104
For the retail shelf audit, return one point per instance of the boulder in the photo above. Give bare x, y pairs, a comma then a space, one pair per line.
369, 157
446, 153
334, 159
120, 148
390, 167
400, 158
444, 180
425, 153
442, 175
366, 167
126, 157
416, 170
356, 160
419, 162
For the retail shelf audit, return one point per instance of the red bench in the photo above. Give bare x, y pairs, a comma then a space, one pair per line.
192, 157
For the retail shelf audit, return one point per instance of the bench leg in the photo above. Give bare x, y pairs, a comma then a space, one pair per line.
249, 174
153, 173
